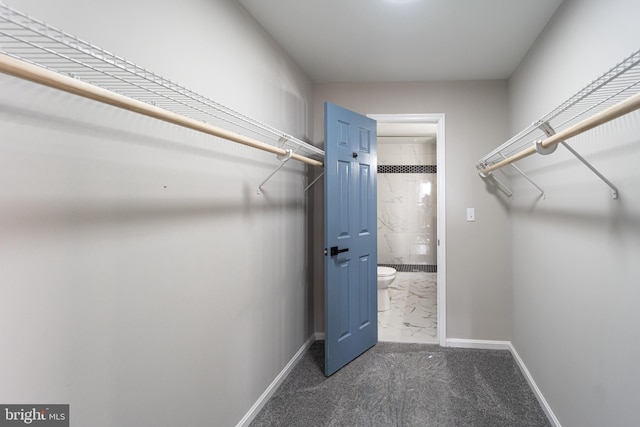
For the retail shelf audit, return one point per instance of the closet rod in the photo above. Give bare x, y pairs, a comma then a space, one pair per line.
624, 107
25, 70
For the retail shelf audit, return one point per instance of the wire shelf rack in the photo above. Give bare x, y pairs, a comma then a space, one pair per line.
36, 42
619, 83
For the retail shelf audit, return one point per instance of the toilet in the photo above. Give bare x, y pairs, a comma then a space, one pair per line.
386, 275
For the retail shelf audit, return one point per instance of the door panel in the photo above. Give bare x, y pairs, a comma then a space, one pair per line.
364, 179
351, 322
344, 209
363, 292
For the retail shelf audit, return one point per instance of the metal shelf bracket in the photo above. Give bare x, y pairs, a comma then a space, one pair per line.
283, 160
524, 175
550, 131
614, 189
502, 186
313, 182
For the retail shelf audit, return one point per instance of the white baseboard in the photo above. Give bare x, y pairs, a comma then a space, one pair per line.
483, 344
507, 345
264, 398
319, 336
543, 402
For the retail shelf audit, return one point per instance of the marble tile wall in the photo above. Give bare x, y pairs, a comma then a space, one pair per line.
392, 152
407, 205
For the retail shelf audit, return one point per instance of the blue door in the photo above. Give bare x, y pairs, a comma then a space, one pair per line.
351, 254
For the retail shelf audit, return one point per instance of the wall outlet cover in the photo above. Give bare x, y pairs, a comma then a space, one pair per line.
471, 214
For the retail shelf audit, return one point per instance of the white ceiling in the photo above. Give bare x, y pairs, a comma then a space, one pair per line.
404, 40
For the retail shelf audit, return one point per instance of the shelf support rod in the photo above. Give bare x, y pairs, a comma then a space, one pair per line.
546, 127
593, 169
283, 161
313, 182
506, 190
489, 175
526, 177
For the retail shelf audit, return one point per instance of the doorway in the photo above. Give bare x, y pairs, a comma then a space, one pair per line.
411, 153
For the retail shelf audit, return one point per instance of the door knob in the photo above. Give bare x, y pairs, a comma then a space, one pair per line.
335, 251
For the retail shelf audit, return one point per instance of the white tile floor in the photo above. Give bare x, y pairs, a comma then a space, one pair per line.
413, 315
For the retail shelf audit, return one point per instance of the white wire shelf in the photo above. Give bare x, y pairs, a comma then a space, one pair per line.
33, 41
616, 85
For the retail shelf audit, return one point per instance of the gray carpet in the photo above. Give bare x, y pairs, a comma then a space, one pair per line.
396, 384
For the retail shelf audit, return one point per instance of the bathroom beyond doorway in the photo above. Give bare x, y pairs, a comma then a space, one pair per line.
411, 209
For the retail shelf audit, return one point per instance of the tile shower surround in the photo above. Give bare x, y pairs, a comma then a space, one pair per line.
407, 207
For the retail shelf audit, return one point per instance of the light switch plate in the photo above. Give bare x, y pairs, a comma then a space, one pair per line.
471, 214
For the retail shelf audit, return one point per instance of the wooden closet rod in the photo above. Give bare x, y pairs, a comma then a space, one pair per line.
613, 112
43, 76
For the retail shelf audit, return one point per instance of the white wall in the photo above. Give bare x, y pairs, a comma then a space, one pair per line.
575, 254
478, 296
142, 279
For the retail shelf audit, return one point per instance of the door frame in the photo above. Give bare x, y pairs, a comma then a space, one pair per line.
441, 275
